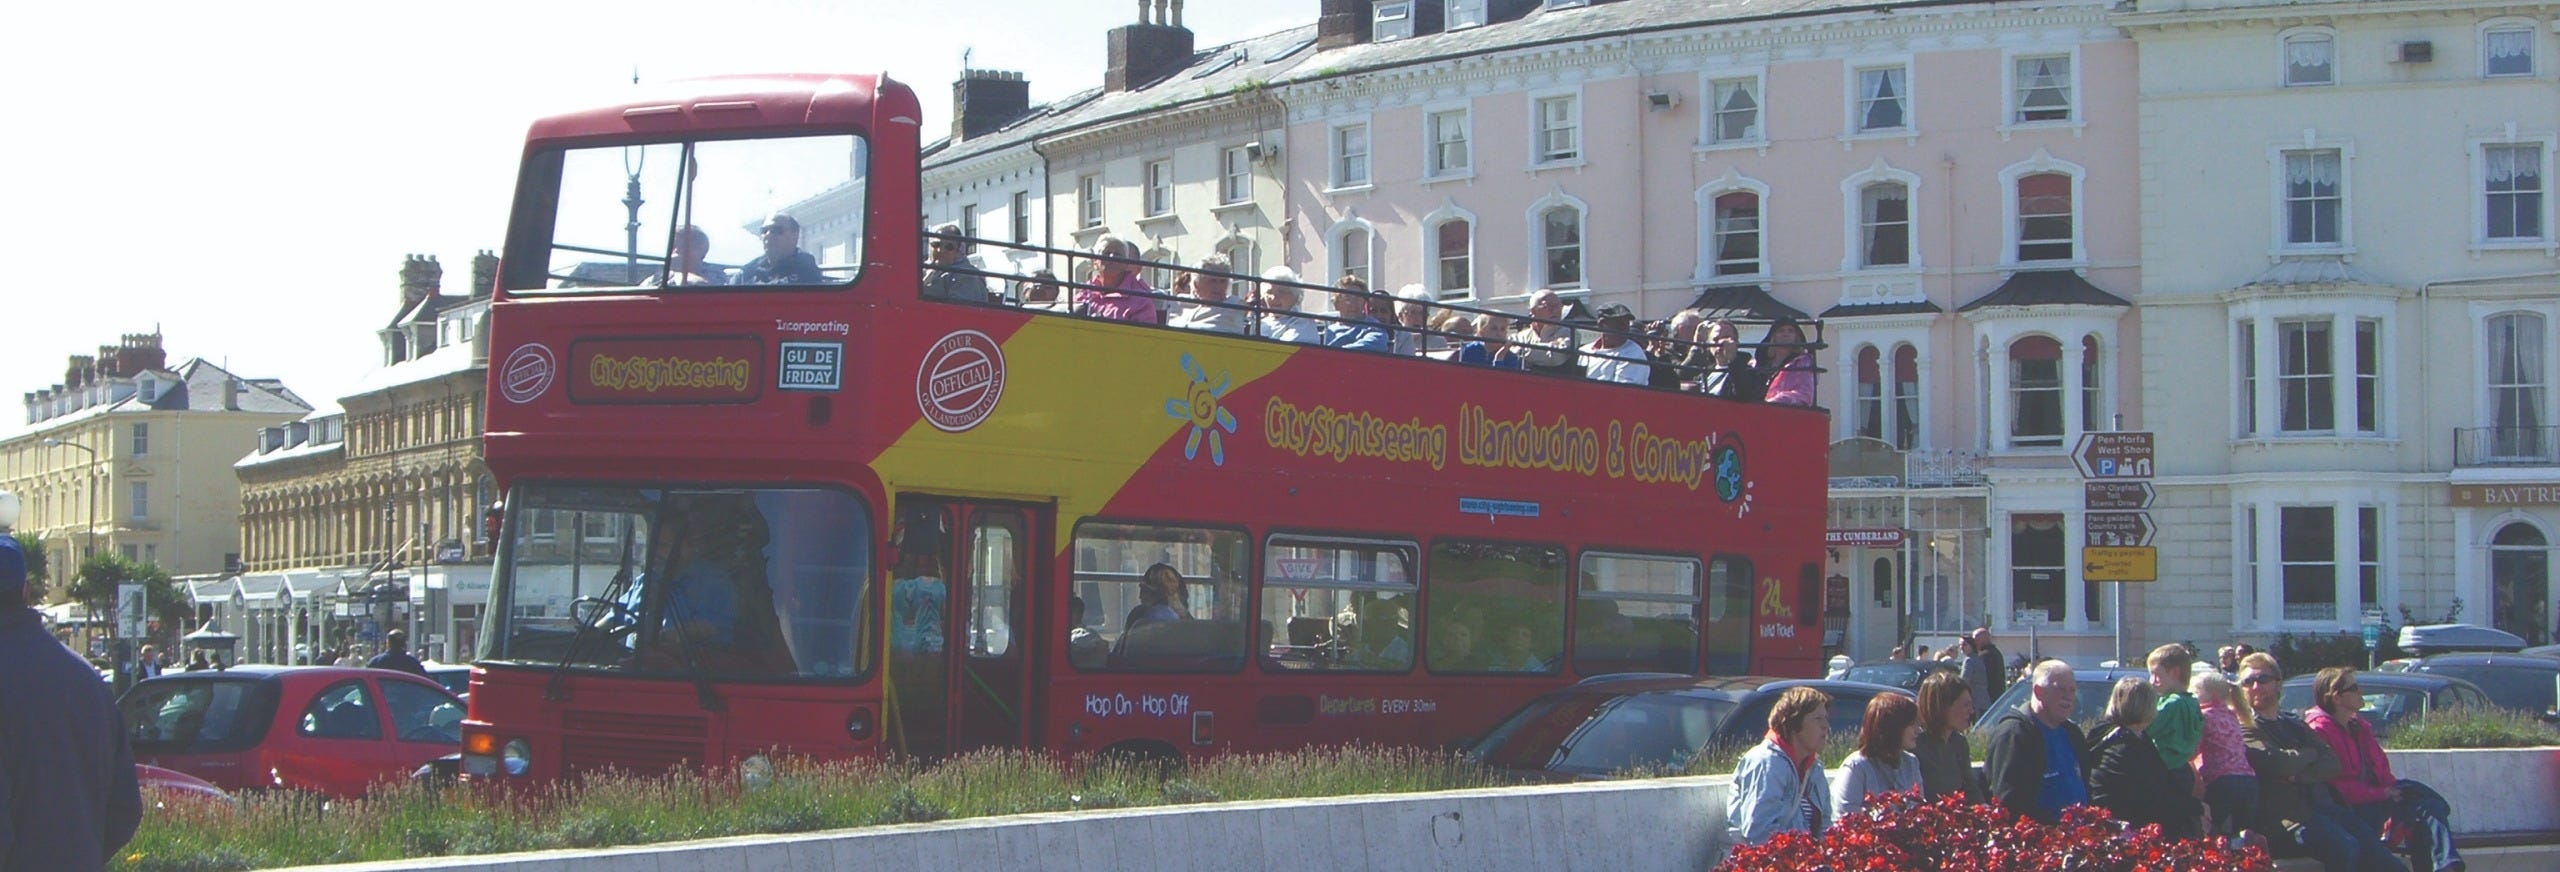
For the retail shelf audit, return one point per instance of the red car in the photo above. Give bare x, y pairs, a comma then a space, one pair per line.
162, 788
328, 729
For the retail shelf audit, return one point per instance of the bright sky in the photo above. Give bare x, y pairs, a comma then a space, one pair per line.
247, 177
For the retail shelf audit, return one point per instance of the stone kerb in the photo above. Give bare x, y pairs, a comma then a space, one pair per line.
1612, 826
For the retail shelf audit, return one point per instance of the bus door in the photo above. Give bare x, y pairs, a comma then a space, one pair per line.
958, 626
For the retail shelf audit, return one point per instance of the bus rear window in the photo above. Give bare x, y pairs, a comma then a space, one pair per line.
713, 214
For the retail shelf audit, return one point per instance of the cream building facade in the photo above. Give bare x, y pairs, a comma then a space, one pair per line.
364, 516
131, 456
2349, 291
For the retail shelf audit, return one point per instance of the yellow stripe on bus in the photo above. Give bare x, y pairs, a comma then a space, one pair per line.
1083, 406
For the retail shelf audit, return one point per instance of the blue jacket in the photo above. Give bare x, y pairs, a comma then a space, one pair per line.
67, 793
1768, 795
1360, 335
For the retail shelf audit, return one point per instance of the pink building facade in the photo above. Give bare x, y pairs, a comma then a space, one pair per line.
1952, 190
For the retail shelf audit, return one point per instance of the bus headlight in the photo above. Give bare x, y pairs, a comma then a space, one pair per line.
517, 758
755, 772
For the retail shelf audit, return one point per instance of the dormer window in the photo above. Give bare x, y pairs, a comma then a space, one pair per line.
1393, 21
1462, 14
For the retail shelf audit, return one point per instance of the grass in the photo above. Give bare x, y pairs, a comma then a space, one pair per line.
2471, 728
408, 821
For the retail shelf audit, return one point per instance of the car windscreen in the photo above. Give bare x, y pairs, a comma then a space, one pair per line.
2522, 688
1649, 731
198, 715
1900, 675
722, 582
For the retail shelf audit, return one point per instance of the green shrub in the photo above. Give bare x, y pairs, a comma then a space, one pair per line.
2472, 728
403, 822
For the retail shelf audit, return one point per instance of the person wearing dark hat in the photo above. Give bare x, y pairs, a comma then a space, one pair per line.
68, 798
1615, 356
783, 262
953, 277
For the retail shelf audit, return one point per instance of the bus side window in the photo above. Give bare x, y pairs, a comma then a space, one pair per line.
1636, 613
1350, 600
1159, 598
1495, 607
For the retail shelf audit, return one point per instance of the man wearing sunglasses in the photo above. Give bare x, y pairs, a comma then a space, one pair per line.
952, 276
783, 262
2294, 768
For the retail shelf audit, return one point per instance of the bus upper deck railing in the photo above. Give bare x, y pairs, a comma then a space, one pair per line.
1258, 313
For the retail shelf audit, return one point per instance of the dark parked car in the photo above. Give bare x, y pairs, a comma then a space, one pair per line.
330, 729
1613, 724
456, 677
2551, 651
2392, 697
2087, 705
2513, 681
1905, 674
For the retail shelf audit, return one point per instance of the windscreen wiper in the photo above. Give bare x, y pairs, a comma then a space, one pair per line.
703, 695
556, 689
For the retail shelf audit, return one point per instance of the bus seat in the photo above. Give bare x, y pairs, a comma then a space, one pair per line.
1309, 632
1181, 646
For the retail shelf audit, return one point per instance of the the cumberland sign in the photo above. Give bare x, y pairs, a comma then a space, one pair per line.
1862, 537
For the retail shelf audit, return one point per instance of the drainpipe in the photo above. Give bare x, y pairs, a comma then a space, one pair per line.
1048, 212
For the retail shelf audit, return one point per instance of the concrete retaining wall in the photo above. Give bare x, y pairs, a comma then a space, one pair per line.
1620, 826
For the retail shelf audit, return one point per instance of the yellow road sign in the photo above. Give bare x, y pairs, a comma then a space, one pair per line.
2120, 564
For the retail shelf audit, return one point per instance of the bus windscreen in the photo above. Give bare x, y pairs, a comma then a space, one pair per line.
777, 211
745, 583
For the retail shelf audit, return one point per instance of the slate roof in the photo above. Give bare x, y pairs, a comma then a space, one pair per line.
1289, 56
1746, 301
1869, 310
2046, 287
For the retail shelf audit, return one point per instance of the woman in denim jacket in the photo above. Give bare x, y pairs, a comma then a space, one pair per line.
1779, 787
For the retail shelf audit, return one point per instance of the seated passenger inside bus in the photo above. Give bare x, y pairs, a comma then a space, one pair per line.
715, 610
1385, 637
1160, 599
1085, 648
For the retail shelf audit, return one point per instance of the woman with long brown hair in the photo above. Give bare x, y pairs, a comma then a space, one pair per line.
1946, 756
1882, 774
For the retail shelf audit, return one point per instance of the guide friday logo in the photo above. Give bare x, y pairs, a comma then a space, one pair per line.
528, 372
960, 380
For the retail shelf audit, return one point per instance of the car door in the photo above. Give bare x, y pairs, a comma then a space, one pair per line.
335, 744
426, 721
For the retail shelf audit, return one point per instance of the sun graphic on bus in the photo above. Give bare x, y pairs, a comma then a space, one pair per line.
1200, 408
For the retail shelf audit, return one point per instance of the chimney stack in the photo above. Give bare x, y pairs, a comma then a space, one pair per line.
484, 273
1149, 50
1342, 23
983, 101
420, 277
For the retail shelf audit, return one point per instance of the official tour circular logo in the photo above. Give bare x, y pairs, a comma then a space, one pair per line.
960, 381
528, 372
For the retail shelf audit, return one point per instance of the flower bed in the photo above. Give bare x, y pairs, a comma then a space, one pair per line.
1952, 835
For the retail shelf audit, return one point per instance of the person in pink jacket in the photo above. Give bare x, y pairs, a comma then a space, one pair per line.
1119, 294
1788, 360
2365, 784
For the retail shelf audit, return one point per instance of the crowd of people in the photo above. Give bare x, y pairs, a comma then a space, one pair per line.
2197, 752
1688, 351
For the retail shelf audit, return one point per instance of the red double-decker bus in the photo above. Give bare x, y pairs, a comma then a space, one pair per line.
764, 496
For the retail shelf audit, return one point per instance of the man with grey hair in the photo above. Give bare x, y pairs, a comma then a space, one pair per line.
1211, 311
1279, 297
1413, 317
2037, 760
953, 276
1546, 344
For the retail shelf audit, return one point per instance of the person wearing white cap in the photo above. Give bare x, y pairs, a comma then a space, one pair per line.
1615, 356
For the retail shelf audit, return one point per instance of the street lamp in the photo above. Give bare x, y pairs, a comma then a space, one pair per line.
91, 547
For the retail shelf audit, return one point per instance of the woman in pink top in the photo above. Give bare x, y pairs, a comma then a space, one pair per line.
2224, 780
2365, 784
1121, 295
1789, 362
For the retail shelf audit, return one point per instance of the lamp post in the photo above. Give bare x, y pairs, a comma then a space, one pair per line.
91, 547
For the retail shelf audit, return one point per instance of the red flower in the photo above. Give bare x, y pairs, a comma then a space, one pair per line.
1953, 836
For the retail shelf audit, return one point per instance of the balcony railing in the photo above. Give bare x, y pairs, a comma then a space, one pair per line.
2506, 446
1944, 467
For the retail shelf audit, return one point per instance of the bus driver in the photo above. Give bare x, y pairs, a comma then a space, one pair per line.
716, 610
